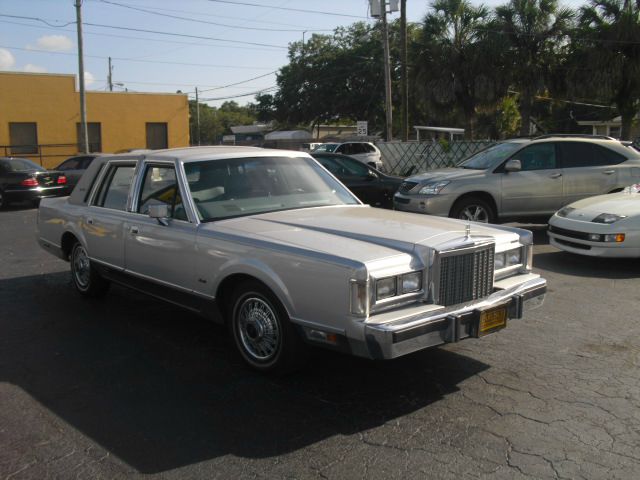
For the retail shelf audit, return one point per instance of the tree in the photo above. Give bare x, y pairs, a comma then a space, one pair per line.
535, 31
453, 64
216, 122
608, 41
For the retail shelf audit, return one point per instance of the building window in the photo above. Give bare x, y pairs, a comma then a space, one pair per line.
95, 137
23, 137
157, 136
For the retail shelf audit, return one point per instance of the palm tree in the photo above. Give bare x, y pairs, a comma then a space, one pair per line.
609, 42
451, 63
535, 30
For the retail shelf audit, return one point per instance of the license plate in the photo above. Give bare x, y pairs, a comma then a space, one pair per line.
492, 320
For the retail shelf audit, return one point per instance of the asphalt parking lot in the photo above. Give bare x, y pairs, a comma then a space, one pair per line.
126, 386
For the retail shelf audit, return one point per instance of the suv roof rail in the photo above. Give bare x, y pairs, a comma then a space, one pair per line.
574, 135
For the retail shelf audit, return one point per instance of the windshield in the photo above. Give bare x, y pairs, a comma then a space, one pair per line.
490, 156
21, 165
245, 186
326, 147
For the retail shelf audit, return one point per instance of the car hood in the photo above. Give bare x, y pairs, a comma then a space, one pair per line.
622, 203
359, 233
445, 174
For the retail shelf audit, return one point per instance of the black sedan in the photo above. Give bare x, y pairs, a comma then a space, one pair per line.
23, 180
368, 184
74, 167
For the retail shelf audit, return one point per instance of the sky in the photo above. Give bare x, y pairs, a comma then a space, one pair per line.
228, 49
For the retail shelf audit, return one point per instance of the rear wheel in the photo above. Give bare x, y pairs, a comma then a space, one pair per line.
86, 279
262, 332
474, 209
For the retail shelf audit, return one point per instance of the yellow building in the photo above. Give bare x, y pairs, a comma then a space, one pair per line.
40, 118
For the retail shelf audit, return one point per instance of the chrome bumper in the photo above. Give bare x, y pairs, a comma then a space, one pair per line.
445, 325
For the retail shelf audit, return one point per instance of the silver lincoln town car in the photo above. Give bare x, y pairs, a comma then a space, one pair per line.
269, 243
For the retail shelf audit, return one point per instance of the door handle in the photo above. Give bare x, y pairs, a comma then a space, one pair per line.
609, 172
90, 221
133, 230
555, 175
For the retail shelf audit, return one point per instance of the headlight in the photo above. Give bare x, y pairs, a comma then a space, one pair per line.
507, 259
608, 218
385, 288
411, 282
433, 188
563, 212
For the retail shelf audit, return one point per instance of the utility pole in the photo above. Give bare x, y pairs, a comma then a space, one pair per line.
387, 71
198, 115
110, 79
84, 137
404, 90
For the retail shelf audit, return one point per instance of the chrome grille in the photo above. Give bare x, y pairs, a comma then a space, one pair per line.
467, 276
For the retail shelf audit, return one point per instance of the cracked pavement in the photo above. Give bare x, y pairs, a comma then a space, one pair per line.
129, 386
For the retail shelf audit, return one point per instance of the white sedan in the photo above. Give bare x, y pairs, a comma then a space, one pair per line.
602, 226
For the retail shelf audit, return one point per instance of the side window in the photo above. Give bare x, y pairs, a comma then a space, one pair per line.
70, 164
368, 148
114, 190
331, 165
357, 148
576, 154
604, 156
538, 157
160, 187
354, 167
343, 149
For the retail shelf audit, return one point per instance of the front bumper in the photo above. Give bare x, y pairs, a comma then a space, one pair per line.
441, 325
569, 235
439, 205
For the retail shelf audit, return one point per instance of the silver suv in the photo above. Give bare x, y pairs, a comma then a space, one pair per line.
522, 178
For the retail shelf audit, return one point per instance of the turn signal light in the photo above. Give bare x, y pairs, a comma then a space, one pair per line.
29, 182
62, 180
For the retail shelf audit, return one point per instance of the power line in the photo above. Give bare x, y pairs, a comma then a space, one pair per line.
185, 35
39, 20
300, 10
122, 59
130, 37
239, 83
205, 21
264, 90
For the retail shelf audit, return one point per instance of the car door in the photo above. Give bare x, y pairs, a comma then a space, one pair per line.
157, 250
363, 181
588, 169
103, 220
537, 188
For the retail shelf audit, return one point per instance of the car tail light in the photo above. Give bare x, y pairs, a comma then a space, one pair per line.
62, 180
29, 182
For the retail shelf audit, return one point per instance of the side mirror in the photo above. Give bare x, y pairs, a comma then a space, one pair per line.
513, 165
160, 213
371, 175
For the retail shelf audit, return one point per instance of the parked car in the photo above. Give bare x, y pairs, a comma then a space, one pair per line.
23, 180
269, 243
74, 167
601, 226
366, 152
368, 184
522, 178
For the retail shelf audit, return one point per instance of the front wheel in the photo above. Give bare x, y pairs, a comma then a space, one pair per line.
473, 209
86, 279
262, 332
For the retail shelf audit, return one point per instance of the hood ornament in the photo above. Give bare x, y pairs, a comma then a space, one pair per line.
467, 230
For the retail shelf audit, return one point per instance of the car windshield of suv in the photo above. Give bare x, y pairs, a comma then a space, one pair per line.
22, 165
236, 187
326, 147
490, 156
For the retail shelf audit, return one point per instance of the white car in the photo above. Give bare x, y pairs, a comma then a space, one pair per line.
366, 152
602, 226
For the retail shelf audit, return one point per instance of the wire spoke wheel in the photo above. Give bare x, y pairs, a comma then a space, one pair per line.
258, 328
81, 267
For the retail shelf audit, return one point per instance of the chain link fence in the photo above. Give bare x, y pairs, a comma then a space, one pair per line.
406, 158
